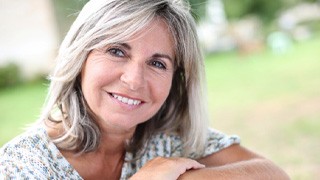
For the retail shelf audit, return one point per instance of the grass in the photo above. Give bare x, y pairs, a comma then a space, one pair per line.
272, 101
264, 75
19, 105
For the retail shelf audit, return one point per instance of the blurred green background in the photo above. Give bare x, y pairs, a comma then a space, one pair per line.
270, 99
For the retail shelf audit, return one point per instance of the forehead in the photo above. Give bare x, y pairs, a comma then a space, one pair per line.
157, 35
155, 38
157, 27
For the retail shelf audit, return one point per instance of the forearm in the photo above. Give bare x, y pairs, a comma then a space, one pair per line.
250, 169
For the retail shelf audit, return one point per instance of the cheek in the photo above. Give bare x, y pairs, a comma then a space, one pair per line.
95, 75
162, 89
92, 80
87, 82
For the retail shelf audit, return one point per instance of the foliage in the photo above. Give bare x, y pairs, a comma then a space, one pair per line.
266, 10
66, 11
235, 9
262, 82
9, 75
198, 8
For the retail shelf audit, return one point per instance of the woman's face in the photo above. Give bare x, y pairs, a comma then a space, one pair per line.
126, 83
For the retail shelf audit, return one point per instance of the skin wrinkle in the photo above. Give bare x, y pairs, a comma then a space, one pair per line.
149, 54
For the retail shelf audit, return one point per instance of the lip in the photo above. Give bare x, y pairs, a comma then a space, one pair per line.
123, 95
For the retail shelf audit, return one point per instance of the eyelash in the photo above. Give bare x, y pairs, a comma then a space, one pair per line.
114, 52
158, 64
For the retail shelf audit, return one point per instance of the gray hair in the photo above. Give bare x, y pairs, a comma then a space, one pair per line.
103, 22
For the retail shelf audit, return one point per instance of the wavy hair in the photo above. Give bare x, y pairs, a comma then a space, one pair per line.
103, 22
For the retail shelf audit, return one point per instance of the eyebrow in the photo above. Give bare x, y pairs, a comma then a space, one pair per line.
125, 45
156, 55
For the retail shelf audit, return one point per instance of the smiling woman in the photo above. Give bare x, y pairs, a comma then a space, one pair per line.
121, 82
126, 100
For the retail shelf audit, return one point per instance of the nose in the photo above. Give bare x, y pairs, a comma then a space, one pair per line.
133, 76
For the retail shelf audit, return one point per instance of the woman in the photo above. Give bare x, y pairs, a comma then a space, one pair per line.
126, 101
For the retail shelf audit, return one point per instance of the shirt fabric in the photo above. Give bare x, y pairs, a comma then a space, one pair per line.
32, 155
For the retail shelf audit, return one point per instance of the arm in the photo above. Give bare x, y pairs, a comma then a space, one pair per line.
235, 162
161, 168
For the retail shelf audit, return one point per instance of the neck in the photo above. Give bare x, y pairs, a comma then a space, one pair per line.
106, 161
112, 144
113, 141
109, 157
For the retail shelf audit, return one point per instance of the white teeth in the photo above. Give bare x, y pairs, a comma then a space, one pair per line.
126, 100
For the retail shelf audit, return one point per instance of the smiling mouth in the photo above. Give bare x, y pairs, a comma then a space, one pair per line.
126, 100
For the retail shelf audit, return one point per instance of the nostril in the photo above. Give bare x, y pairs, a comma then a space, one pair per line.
133, 81
133, 74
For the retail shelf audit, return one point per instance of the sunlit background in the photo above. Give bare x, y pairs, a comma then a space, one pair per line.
262, 65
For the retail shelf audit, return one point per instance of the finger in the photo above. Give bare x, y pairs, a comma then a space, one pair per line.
193, 164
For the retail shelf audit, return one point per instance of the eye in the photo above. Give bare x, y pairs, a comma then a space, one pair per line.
157, 64
116, 52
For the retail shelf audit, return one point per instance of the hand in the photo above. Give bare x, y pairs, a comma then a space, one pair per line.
166, 168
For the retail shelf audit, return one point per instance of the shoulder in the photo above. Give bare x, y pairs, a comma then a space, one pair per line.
32, 141
171, 144
19, 155
30, 155
217, 141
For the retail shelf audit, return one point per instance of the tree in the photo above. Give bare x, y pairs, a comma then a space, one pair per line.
266, 10
198, 8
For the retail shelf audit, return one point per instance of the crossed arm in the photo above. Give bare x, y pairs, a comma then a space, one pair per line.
234, 162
